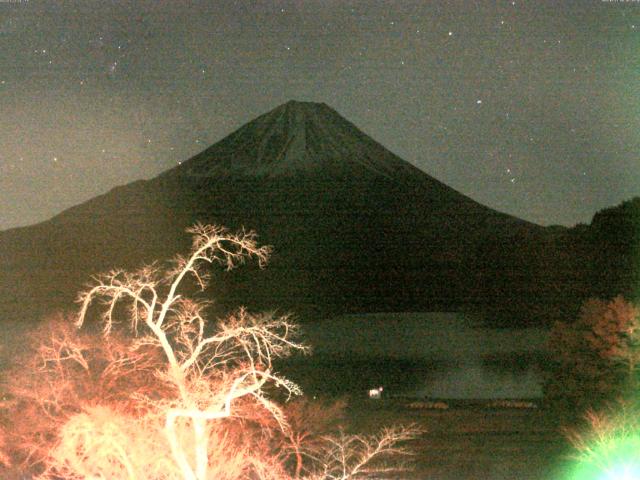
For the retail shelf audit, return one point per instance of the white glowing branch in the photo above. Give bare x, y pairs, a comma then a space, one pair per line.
355, 456
210, 244
243, 346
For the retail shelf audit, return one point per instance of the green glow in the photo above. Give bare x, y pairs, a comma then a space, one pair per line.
615, 457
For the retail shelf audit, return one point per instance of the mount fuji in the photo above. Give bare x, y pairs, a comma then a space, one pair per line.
355, 228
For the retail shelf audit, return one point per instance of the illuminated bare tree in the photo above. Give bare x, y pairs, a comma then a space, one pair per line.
166, 396
346, 456
209, 371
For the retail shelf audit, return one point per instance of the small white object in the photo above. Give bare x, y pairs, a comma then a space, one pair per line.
376, 393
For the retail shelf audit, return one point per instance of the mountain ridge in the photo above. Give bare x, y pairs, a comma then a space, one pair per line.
355, 228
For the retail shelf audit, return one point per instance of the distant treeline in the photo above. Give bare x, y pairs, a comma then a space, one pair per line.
546, 275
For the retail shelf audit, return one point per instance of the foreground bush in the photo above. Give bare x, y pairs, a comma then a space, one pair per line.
163, 394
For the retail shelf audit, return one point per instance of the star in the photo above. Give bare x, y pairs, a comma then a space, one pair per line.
450, 33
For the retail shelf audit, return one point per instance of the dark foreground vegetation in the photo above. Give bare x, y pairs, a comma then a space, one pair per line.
474, 440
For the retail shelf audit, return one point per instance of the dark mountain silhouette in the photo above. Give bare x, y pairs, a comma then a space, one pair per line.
599, 260
613, 242
355, 229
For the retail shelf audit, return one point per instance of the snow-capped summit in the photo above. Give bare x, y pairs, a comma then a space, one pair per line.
294, 138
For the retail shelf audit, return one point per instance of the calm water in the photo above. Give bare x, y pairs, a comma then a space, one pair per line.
436, 355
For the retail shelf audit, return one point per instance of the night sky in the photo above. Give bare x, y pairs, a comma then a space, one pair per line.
532, 108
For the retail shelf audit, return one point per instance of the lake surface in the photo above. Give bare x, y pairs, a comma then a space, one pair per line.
433, 354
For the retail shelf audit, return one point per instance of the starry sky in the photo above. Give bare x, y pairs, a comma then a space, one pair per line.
532, 108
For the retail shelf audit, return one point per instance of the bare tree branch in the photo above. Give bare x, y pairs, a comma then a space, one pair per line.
244, 344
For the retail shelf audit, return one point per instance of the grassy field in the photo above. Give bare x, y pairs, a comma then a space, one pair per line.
471, 441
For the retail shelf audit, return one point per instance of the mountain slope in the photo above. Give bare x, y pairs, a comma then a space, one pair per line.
355, 228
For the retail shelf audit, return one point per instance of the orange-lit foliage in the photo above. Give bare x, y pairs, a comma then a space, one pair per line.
80, 407
63, 370
102, 443
596, 357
